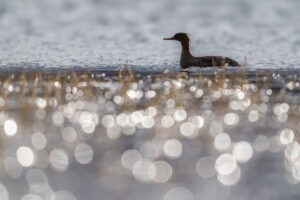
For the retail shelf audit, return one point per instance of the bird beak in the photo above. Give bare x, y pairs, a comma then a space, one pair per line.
169, 38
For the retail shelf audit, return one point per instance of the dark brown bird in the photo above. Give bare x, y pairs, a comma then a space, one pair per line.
188, 60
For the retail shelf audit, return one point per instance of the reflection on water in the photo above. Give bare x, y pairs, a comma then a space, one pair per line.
102, 32
78, 134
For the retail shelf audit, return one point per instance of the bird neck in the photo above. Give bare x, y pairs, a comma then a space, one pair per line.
185, 48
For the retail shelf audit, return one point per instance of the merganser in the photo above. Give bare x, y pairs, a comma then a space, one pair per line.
187, 60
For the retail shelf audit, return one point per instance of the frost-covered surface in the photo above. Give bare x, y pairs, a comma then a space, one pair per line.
101, 33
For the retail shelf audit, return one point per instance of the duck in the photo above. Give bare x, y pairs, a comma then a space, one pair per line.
188, 60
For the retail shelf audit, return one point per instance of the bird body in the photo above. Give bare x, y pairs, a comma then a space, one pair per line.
188, 60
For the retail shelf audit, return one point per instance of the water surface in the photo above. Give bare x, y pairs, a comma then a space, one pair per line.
110, 33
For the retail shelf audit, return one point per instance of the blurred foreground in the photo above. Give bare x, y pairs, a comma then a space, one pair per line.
213, 134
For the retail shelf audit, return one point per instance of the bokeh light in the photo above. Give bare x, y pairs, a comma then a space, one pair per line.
10, 127
242, 151
163, 133
222, 141
205, 167
129, 157
178, 193
286, 136
83, 153
160, 171
225, 164
25, 156
167, 121
12, 167
59, 159
187, 129
31, 197
231, 178
3, 192
38, 140
69, 134
231, 119
141, 170
173, 148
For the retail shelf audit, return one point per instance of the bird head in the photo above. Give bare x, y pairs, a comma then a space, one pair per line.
182, 37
